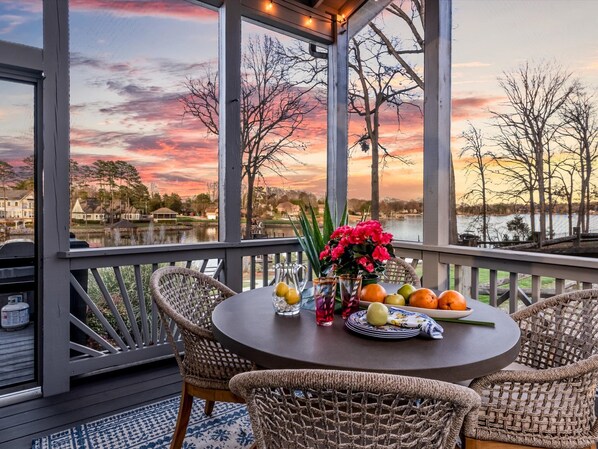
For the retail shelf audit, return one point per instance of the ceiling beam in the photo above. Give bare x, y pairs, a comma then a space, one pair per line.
364, 15
286, 16
291, 18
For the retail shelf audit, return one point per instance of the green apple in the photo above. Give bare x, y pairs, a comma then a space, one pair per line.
395, 300
406, 290
377, 314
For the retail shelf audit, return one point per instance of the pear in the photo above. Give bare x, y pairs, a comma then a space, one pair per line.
395, 300
377, 314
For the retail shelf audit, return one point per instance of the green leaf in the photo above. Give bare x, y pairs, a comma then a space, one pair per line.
317, 234
311, 238
328, 224
345, 217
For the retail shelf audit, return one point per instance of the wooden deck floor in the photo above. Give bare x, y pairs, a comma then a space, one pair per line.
89, 399
16, 356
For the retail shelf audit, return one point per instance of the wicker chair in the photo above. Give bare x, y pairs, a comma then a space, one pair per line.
342, 409
188, 298
398, 271
551, 404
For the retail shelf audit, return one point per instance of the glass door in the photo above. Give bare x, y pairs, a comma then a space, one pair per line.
19, 308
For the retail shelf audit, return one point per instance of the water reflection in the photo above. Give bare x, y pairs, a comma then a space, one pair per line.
160, 235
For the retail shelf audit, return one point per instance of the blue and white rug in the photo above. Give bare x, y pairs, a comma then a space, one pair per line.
152, 426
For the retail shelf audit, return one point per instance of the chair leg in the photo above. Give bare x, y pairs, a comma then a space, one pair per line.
182, 419
209, 407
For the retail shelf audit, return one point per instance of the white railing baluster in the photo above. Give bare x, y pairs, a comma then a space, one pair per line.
120, 323
513, 292
154, 316
493, 288
142, 307
98, 314
559, 286
475, 282
536, 288
457, 273
93, 335
265, 270
252, 272
127, 301
204, 265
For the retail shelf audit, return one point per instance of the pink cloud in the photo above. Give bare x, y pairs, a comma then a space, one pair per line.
471, 108
159, 8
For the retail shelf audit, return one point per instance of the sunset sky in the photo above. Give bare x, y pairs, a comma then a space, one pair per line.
130, 59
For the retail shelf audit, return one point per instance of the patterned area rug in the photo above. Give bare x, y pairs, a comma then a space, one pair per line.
151, 427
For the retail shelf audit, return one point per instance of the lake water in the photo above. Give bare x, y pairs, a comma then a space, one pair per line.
409, 227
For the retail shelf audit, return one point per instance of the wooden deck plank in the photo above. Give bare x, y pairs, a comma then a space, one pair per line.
85, 386
93, 401
17, 349
88, 400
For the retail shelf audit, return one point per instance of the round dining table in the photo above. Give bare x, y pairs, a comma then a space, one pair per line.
247, 325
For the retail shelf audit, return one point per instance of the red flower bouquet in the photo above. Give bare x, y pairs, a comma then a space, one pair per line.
362, 249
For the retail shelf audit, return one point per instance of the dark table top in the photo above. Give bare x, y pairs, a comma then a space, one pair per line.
247, 325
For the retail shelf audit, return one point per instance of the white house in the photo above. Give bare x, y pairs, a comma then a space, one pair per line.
212, 213
131, 213
164, 214
17, 204
88, 210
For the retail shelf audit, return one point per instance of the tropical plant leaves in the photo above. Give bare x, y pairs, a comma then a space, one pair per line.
313, 239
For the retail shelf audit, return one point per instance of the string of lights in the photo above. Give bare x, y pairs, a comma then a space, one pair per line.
271, 5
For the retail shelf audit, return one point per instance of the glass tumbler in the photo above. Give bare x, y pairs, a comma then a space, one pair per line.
350, 294
324, 297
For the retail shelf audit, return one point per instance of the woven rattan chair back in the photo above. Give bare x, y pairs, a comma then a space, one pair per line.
398, 271
186, 299
340, 409
550, 408
560, 330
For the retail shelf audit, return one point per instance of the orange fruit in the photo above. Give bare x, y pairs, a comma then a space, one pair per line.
451, 300
423, 297
373, 293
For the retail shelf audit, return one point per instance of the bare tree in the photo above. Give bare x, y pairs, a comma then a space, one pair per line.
379, 86
412, 15
535, 94
566, 175
414, 19
478, 160
274, 105
517, 167
581, 140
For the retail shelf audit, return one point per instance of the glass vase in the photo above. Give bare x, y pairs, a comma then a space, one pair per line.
350, 294
369, 279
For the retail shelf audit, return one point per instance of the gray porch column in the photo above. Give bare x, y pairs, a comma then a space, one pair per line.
55, 273
437, 122
229, 142
337, 160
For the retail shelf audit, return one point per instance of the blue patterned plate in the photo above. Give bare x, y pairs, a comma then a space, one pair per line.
357, 323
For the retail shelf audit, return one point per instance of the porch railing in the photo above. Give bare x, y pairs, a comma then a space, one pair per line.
503, 278
114, 322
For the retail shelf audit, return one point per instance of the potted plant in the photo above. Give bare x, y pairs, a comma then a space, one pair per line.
360, 250
313, 239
